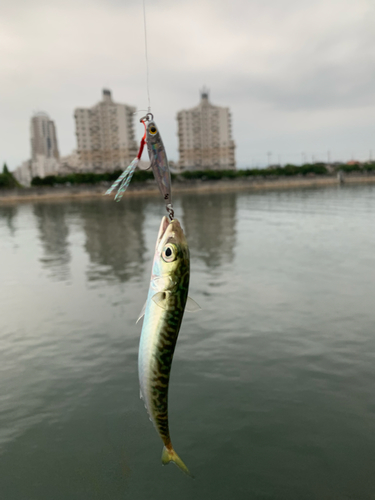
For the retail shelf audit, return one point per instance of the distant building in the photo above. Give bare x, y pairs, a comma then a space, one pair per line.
44, 149
45, 157
353, 162
70, 164
43, 137
205, 137
105, 135
23, 173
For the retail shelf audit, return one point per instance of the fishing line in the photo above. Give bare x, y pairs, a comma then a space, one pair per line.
122, 183
146, 55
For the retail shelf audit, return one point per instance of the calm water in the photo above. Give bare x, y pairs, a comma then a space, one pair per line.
273, 383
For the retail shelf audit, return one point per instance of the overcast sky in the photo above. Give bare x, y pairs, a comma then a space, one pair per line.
298, 75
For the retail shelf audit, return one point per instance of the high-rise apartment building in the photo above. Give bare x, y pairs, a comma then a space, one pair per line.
105, 135
43, 137
45, 157
44, 149
205, 137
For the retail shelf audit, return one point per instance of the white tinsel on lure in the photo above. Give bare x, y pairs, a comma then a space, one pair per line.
123, 180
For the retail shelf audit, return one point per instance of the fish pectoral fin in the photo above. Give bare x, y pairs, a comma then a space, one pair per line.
171, 456
160, 299
192, 306
142, 313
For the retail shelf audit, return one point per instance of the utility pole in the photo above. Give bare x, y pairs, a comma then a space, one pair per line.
269, 154
370, 155
329, 156
303, 158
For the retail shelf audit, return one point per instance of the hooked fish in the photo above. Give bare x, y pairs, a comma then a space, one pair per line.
163, 313
159, 162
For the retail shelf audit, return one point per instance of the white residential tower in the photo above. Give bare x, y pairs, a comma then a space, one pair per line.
45, 157
205, 137
105, 135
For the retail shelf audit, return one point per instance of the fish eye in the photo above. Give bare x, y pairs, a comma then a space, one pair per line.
153, 130
169, 253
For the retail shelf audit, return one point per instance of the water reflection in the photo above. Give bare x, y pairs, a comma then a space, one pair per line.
114, 238
210, 224
53, 234
9, 213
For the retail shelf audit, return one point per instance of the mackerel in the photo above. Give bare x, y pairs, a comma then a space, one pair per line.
163, 313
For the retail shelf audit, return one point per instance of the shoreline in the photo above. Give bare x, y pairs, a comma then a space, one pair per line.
85, 191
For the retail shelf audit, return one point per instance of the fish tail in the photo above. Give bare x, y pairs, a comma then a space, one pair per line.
169, 455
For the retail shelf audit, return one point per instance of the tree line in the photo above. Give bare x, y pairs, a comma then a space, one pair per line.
7, 180
144, 175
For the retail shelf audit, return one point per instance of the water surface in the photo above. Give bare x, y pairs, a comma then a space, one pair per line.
272, 386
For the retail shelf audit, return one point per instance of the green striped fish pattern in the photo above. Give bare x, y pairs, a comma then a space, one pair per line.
164, 310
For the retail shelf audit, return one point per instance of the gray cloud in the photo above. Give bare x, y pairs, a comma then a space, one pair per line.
288, 69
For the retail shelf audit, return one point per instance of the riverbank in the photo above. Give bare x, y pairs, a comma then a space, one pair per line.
149, 188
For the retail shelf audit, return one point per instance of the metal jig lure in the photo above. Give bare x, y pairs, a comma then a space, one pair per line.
159, 161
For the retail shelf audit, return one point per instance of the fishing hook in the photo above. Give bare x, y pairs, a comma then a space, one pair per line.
170, 211
149, 117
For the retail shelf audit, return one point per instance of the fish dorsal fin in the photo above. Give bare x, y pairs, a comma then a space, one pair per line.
160, 299
142, 313
192, 306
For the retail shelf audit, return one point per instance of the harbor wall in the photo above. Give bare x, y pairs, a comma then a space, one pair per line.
182, 185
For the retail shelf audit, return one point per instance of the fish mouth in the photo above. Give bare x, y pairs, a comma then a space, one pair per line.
168, 229
163, 227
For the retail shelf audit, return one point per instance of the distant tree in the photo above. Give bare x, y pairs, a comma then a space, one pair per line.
7, 180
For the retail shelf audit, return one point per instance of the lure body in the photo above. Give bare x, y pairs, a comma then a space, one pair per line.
159, 165
159, 162
164, 310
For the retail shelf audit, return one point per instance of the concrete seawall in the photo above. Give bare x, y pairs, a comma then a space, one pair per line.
149, 187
